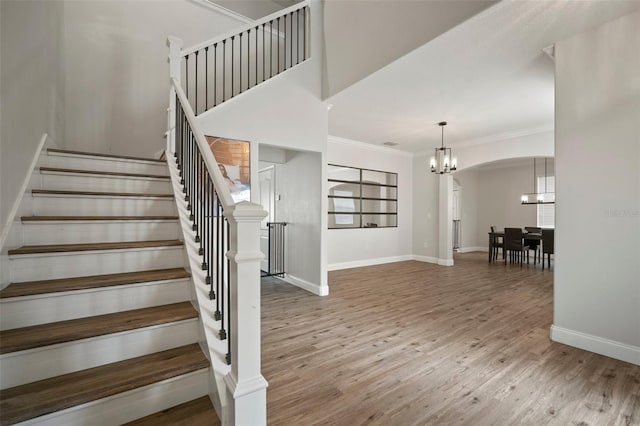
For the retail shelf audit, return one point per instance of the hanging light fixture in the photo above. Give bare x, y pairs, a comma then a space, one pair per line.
442, 162
537, 197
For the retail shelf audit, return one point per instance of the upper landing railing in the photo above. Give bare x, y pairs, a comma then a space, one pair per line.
219, 69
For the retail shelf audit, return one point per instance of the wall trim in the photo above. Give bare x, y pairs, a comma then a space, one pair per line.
429, 259
470, 249
369, 146
367, 262
23, 189
316, 289
445, 262
599, 345
224, 11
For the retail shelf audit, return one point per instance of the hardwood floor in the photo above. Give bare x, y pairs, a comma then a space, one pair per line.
413, 343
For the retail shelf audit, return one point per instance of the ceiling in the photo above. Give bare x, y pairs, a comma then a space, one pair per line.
487, 77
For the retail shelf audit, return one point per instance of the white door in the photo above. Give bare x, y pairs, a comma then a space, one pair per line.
268, 201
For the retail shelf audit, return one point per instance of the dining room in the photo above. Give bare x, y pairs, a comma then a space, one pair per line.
507, 208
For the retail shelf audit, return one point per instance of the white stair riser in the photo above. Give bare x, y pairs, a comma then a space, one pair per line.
80, 182
37, 233
54, 307
78, 355
102, 164
77, 264
102, 206
131, 405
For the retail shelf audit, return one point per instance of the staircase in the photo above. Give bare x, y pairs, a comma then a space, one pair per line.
97, 325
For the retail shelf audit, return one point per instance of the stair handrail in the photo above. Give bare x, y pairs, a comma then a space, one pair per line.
243, 28
210, 161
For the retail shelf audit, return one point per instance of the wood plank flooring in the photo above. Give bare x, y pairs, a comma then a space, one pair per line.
35, 336
414, 343
199, 412
31, 288
47, 396
59, 248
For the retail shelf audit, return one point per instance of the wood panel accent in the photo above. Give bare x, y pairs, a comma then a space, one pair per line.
98, 172
36, 399
31, 288
20, 339
199, 412
98, 193
92, 218
60, 248
414, 343
94, 154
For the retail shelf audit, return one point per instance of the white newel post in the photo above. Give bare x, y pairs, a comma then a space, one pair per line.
175, 47
246, 388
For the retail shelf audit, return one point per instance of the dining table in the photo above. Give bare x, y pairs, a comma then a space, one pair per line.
525, 236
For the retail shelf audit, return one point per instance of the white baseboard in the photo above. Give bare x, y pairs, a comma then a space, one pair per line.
306, 285
599, 345
367, 262
470, 249
429, 259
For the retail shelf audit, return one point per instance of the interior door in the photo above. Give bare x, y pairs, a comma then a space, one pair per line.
268, 201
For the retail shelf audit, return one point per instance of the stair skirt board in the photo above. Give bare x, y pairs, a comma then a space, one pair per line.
106, 164
131, 405
63, 358
86, 182
45, 266
63, 204
53, 307
69, 232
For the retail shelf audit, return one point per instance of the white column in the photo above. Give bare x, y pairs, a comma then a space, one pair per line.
175, 46
246, 388
445, 225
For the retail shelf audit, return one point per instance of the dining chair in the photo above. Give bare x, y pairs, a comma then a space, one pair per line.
534, 244
547, 245
496, 243
513, 244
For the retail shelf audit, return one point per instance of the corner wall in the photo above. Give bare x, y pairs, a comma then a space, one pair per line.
597, 275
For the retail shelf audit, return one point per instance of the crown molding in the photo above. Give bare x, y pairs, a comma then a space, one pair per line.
369, 146
213, 6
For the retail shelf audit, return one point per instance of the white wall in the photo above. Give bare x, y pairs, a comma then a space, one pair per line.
32, 89
347, 248
298, 186
286, 112
117, 79
597, 276
425, 210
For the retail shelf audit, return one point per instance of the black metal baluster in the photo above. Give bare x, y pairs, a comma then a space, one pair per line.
263, 52
291, 41
186, 76
196, 108
256, 79
186, 167
224, 69
197, 200
228, 357
210, 266
215, 74
278, 46
218, 261
240, 64
192, 180
204, 208
223, 333
248, 58
232, 65
304, 33
206, 78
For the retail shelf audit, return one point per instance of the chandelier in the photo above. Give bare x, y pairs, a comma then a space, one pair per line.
537, 196
442, 162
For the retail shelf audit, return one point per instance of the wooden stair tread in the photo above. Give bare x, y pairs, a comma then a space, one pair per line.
36, 336
198, 412
92, 218
31, 288
99, 172
43, 397
95, 154
61, 248
98, 193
